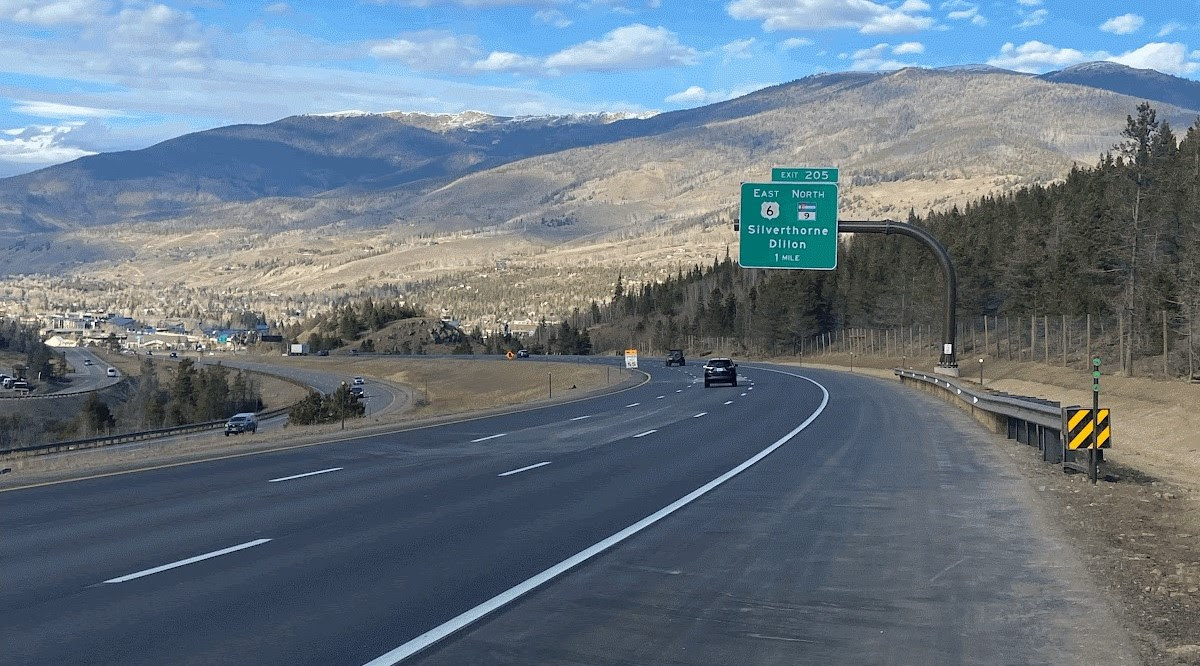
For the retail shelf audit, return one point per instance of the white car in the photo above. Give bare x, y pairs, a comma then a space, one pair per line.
112, 372
359, 380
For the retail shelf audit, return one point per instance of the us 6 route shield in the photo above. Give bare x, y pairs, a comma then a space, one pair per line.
789, 225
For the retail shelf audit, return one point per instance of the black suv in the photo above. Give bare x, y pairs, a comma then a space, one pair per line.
720, 370
675, 357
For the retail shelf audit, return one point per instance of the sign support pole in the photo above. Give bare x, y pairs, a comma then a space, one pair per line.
1094, 451
949, 357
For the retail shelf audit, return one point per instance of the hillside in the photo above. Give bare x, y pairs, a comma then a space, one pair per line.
302, 211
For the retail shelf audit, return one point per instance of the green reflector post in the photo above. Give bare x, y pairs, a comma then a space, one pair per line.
1096, 374
1096, 361
1096, 387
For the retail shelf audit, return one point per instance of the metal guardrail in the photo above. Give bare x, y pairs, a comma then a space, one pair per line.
109, 440
1033, 421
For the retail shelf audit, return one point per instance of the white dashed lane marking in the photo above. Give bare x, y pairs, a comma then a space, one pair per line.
524, 469
190, 560
484, 439
301, 476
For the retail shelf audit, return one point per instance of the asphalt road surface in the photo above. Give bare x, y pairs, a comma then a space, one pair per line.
801, 517
85, 377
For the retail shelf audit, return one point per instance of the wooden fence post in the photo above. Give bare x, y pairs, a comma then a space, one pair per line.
1166, 355
1046, 331
1064, 340
1089, 338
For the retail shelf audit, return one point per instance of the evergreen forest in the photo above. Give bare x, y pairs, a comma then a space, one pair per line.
1116, 245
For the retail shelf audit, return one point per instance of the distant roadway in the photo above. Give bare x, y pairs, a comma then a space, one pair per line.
801, 517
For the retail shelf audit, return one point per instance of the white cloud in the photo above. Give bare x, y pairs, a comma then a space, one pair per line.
693, 95
152, 41
875, 58
1162, 56
474, 3
1029, 3
278, 8
698, 95
794, 43
1173, 26
1123, 24
738, 49
865, 16
56, 110
37, 146
1030, 19
54, 13
1035, 57
429, 51
632, 47
964, 11
552, 17
500, 61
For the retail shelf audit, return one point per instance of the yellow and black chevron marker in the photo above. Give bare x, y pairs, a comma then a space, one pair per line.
1079, 428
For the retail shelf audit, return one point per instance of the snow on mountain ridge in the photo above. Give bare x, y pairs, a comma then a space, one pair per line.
467, 119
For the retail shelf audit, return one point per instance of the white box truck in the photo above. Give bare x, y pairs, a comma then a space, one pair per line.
299, 349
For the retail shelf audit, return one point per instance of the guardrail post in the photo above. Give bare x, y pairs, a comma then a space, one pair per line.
1052, 446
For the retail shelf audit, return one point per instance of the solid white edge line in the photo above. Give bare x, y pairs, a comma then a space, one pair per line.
580, 418
484, 439
301, 476
699, 415
190, 560
517, 591
643, 434
524, 469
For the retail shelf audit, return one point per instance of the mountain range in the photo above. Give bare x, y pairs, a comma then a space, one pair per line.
367, 188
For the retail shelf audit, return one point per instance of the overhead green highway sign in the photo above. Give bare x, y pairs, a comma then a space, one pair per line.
804, 175
788, 225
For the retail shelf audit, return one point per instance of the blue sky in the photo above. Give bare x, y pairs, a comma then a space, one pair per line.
85, 76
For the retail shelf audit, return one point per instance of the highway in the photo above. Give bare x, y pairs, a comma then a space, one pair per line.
801, 517
85, 377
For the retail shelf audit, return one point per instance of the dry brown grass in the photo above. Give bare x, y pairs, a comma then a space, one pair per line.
454, 386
